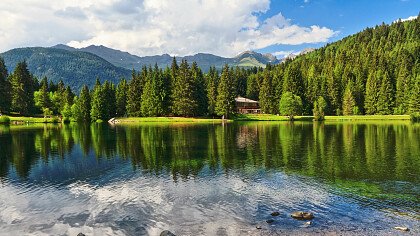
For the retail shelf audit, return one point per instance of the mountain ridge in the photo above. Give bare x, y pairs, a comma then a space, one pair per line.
204, 60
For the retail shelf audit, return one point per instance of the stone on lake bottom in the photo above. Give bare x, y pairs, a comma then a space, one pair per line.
276, 213
269, 221
401, 228
167, 233
300, 215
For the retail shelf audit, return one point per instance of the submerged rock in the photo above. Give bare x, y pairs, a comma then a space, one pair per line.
258, 227
301, 215
401, 228
276, 213
167, 233
269, 221
81, 234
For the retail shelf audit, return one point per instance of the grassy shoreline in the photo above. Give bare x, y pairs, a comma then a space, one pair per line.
241, 117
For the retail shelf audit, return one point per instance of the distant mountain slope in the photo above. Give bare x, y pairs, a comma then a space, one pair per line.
75, 68
204, 60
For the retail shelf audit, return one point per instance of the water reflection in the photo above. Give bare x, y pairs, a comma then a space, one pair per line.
134, 177
331, 151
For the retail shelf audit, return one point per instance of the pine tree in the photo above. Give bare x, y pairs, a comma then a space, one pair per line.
4, 88
414, 101
42, 96
225, 102
152, 100
121, 98
183, 97
108, 90
99, 110
135, 90
199, 90
385, 103
22, 88
372, 93
212, 84
349, 102
266, 94
293, 80
84, 104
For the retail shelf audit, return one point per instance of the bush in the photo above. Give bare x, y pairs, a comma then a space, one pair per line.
290, 105
415, 116
4, 120
55, 120
99, 121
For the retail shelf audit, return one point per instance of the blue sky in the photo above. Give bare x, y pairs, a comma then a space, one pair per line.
186, 27
344, 16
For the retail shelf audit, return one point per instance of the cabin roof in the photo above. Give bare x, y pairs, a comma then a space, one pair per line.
247, 100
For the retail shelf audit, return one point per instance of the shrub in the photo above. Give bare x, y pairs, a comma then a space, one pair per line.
4, 120
415, 116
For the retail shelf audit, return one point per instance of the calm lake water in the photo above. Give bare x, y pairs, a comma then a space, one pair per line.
209, 179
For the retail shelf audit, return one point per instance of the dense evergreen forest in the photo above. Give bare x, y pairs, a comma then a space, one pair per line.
376, 71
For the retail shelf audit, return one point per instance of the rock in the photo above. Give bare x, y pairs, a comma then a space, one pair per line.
300, 215
258, 227
167, 233
81, 234
276, 213
270, 221
401, 228
308, 223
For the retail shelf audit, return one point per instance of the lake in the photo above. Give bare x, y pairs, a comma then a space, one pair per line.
210, 179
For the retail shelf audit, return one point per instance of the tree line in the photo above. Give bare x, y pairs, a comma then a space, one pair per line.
376, 71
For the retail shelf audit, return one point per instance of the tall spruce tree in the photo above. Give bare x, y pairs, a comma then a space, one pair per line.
372, 92
152, 99
385, 105
42, 96
225, 102
22, 88
266, 95
121, 98
84, 104
349, 103
135, 90
199, 90
98, 110
4, 88
212, 83
414, 101
183, 96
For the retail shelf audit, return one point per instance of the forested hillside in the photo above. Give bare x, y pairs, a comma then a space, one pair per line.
376, 71
74, 68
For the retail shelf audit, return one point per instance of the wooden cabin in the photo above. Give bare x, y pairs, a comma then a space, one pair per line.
247, 106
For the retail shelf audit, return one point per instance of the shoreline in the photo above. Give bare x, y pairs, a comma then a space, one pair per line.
238, 118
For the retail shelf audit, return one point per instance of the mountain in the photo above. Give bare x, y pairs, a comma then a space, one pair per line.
74, 67
204, 60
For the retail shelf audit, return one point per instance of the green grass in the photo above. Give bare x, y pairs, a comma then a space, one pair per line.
165, 119
367, 117
21, 119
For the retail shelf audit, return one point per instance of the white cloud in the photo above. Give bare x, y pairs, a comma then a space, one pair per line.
148, 27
